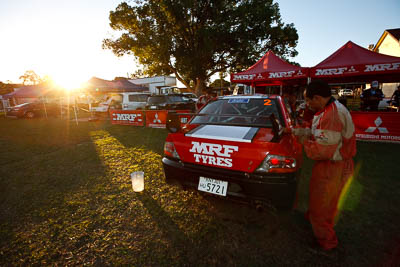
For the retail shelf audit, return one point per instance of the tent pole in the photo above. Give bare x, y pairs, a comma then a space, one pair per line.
61, 109
44, 105
76, 117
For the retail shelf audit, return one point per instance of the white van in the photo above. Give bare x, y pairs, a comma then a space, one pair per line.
134, 100
124, 101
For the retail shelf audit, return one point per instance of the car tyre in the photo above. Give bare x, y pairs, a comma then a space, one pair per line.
29, 115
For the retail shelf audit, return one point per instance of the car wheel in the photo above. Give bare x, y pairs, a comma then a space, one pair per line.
30, 115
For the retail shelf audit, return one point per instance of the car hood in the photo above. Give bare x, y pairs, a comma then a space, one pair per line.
20, 105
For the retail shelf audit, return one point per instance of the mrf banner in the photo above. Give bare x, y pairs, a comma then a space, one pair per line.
127, 117
377, 126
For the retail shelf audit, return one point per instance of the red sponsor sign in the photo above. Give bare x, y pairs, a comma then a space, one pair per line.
127, 117
154, 118
377, 126
158, 118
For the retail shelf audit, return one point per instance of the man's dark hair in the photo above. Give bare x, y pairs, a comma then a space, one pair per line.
318, 87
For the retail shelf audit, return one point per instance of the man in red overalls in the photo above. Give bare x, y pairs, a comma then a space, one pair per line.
203, 100
332, 144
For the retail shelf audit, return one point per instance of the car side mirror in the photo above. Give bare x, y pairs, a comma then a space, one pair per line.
173, 122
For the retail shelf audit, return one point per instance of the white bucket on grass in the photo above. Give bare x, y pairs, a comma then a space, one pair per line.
137, 181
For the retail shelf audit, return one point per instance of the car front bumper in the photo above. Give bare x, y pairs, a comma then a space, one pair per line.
15, 114
274, 188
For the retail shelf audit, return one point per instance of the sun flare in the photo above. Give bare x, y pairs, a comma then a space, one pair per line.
69, 81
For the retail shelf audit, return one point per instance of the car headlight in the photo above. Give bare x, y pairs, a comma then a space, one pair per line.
275, 163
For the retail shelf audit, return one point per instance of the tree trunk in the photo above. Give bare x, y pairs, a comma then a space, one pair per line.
200, 86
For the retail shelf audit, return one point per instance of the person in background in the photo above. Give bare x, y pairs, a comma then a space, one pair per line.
372, 96
304, 114
331, 143
203, 99
395, 99
291, 98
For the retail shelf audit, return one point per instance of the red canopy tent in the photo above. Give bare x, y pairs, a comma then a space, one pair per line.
353, 63
271, 70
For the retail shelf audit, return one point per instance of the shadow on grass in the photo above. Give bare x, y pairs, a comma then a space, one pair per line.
35, 183
370, 216
178, 239
132, 136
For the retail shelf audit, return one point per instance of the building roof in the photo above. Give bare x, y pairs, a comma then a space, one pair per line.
30, 91
121, 85
395, 33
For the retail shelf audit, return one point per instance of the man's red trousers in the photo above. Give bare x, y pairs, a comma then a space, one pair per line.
327, 181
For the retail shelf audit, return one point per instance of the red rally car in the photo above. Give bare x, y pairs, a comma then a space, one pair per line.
235, 147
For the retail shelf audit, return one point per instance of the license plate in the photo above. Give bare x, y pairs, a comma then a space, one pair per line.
153, 107
213, 186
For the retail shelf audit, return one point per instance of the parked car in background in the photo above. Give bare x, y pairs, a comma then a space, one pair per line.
131, 101
191, 96
235, 147
345, 92
33, 110
170, 102
101, 107
124, 101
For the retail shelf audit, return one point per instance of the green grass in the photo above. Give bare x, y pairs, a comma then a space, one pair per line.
66, 199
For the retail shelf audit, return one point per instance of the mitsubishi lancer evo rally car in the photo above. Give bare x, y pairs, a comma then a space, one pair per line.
235, 147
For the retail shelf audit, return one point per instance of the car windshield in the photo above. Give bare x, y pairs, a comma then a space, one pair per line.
177, 98
159, 99
240, 111
191, 95
138, 98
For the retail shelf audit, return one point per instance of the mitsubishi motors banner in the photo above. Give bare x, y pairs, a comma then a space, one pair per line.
158, 118
127, 117
377, 126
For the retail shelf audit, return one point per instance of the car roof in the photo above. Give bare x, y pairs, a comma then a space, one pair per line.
255, 96
159, 95
136, 93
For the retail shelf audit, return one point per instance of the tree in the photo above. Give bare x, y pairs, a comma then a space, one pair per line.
6, 88
30, 78
195, 39
138, 74
220, 83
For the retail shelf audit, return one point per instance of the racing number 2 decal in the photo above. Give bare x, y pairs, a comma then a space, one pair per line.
267, 102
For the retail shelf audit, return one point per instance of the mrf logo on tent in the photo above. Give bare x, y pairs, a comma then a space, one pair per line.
213, 154
382, 67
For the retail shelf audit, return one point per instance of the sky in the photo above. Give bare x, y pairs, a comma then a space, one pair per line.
63, 38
